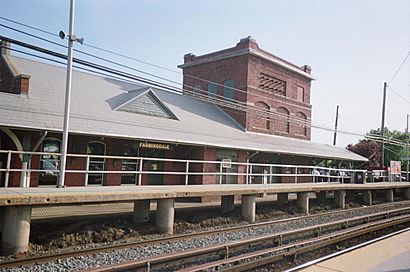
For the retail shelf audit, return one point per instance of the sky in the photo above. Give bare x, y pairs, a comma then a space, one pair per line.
353, 46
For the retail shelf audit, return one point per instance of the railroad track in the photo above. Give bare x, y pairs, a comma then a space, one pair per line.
256, 252
58, 256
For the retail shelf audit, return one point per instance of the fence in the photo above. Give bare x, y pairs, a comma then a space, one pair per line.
138, 167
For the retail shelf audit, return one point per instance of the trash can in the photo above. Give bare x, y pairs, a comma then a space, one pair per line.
359, 177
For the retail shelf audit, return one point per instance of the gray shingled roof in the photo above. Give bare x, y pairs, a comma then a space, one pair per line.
94, 98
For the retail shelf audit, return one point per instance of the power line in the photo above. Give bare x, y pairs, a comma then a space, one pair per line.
377, 139
399, 95
128, 67
134, 59
100, 58
401, 65
224, 103
217, 100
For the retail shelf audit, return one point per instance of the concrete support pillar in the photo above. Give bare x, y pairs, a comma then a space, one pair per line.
390, 195
283, 198
141, 211
367, 197
165, 215
227, 204
406, 193
340, 198
16, 229
321, 196
248, 208
303, 202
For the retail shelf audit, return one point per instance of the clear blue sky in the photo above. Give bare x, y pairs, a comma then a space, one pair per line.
352, 46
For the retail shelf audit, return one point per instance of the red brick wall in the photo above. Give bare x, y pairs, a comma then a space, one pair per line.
245, 70
234, 68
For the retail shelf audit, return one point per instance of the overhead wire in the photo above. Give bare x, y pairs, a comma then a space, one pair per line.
156, 83
161, 67
401, 65
303, 121
206, 98
122, 65
398, 94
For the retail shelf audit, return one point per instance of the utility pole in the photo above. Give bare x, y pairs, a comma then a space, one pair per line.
71, 39
407, 149
382, 127
336, 120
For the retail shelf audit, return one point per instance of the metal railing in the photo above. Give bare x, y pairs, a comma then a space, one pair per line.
252, 173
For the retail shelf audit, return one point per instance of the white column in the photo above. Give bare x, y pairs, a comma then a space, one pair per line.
303, 202
248, 208
16, 229
165, 215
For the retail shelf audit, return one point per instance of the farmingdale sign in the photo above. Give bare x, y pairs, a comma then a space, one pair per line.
154, 145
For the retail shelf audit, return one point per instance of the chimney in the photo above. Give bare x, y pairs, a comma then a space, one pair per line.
189, 58
5, 47
12, 81
307, 69
247, 42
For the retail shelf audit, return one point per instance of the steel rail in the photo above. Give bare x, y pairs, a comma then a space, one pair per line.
268, 256
349, 249
55, 256
225, 249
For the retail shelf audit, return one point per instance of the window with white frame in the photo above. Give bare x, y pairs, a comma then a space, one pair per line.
96, 163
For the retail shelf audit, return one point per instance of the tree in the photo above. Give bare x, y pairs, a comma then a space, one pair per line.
368, 149
393, 150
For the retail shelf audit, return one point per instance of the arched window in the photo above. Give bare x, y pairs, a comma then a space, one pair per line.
197, 89
284, 122
228, 89
49, 163
130, 165
95, 163
262, 119
212, 89
301, 127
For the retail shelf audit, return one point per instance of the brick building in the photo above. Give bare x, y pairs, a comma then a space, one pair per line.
277, 90
112, 117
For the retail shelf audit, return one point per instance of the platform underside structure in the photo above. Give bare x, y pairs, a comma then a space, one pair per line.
16, 203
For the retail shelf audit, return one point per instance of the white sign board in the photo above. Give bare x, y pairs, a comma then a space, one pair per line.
395, 167
226, 163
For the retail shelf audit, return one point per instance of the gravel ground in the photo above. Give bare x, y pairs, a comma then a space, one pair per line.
84, 262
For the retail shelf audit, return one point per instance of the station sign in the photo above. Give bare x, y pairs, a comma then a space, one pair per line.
154, 145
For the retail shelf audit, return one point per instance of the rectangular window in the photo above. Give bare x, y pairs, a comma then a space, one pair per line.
228, 89
301, 94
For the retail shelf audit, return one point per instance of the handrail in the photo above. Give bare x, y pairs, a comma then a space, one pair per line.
264, 172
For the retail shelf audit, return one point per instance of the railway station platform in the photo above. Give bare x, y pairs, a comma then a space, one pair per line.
390, 254
16, 203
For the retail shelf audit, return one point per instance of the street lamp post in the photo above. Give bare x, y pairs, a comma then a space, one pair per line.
71, 38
